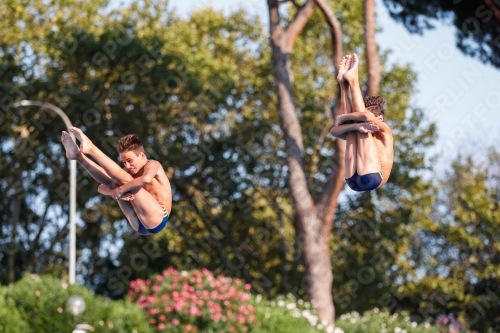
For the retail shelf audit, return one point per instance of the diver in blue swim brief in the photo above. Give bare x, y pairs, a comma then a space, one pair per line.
147, 232
366, 182
141, 188
369, 150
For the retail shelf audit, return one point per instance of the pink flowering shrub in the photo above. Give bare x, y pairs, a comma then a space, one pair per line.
450, 324
194, 301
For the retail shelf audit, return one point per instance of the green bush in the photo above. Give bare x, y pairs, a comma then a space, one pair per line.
281, 316
11, 320
380, 321
37, 304
41, 302
284, 315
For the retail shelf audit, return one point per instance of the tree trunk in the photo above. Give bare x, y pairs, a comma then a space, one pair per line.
372, 59
313, 219
317, 260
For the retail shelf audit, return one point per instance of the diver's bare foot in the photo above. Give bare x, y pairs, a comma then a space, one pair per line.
351, 75
72, 150
86, 145
344, 66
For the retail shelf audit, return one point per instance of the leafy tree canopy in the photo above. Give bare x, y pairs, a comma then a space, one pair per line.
477, 22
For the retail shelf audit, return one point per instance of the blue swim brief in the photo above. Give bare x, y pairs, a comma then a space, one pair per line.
145, 231
366, 182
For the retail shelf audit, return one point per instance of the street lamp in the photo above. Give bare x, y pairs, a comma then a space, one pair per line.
72, 184
76, 305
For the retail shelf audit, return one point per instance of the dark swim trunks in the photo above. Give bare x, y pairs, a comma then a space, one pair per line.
366, 182
144, 231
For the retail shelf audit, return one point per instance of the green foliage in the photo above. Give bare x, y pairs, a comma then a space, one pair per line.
41, 303
459, 250
380, 321
37, 304
199, 91
29, 138
286, 314
274, 316
195, 89
11, 320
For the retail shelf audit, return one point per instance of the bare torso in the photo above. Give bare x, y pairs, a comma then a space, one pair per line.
159, 187
385, 147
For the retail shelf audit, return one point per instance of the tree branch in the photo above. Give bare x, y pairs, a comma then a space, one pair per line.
11, 258
274, 18
35, 244
57, 238
327, 202
335, 31
494, 9
299, 22
372, 59
282, 45
280, 2
319, 144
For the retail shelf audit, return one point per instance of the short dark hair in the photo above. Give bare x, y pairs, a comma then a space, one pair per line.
130, 142
375, 104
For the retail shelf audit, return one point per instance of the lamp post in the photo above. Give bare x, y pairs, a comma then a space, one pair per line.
72, 185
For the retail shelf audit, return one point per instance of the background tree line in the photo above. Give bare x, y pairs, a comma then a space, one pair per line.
200, 92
